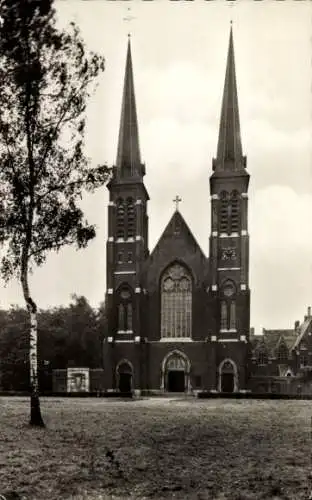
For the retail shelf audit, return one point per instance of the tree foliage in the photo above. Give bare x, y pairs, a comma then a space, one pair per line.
14, 342
67, 336
46, 77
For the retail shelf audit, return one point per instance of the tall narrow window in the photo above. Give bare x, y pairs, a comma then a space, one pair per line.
121, 317
228, 306
176, 302
129, 316
235, 212
125, 313
233, 315
224, 316
120, 218
130, 218
224, 212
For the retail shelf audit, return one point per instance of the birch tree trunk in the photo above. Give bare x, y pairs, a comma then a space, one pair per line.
35, 412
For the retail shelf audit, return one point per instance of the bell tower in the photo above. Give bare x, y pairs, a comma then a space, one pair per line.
229, 239
127, 244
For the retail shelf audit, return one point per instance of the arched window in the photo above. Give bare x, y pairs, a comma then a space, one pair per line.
262, 357
235, 199
130, 218
228, 306
282, 353
229, 221
120, 218
176, 302
125, 312
224, 215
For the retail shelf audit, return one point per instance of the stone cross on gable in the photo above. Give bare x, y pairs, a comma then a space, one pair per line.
177, 200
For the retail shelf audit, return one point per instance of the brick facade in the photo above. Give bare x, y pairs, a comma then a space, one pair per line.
136, 348
144, 350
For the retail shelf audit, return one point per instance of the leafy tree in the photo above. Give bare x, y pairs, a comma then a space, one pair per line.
53, 336
14, 341
45, 78
69, 335
84, 344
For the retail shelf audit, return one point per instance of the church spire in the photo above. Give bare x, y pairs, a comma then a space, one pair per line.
229, 153
128, 155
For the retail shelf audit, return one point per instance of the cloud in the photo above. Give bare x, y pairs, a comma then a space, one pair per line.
179, 61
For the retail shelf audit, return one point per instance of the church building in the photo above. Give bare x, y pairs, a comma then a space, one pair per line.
178, 321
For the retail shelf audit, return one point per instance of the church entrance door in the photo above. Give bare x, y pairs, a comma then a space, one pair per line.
227, 376
125, 382
176, 381
227, 382
176, 372
124, 373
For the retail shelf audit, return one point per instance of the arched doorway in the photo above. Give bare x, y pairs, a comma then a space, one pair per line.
124, 376
228, 380
176, 372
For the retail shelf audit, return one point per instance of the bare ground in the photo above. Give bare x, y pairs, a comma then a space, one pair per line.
157, 448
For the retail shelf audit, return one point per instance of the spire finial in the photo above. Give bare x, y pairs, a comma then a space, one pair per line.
128, 18
229, 152
128, 155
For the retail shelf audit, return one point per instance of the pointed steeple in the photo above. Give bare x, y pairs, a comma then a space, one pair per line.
229, 153
128, 161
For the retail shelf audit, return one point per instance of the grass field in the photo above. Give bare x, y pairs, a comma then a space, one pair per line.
157, 448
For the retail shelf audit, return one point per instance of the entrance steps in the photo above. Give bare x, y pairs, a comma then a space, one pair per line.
168, 395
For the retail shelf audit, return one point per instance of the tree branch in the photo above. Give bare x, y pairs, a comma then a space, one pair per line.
59, 187
58, 124
52, 245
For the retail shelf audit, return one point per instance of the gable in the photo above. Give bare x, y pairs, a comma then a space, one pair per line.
177, 243
275, 338
177, 232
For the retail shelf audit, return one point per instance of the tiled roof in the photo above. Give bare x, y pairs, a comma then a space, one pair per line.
302, 331
272, 338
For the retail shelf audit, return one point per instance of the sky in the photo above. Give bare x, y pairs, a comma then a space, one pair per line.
179, 55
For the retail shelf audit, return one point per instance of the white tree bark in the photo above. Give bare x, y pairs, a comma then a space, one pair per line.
33, 354
35, 412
